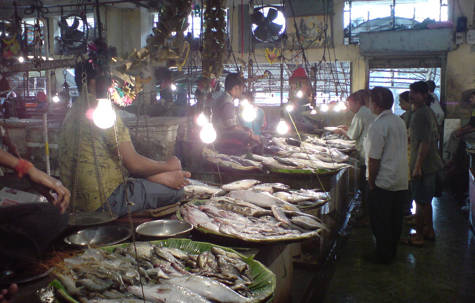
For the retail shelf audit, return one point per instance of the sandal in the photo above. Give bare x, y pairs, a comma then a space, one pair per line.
408, 242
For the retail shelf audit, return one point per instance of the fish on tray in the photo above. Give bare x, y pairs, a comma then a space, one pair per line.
241, 184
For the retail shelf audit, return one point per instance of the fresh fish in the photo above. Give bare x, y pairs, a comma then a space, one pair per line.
244, 162
259, 158
292, 141
286, 161
308, 223
269, 187
198, 218
278, 141
295, 198
201, 190
118, 301
262, 199
279, 214
165, 292
274, 164
241, 184
317, 164
283, 195
209, 288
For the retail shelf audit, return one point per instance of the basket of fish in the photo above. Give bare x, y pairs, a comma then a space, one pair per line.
226, 218
173, 270
231, 163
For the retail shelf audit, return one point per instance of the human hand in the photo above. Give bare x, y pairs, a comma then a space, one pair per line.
173, 163
43, 184
343, 127
7, 293
417, 173
174, 179
338, 131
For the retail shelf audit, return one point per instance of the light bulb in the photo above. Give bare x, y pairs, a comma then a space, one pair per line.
21, 59
324, 108
249, 114
173, 87
55, 99
342, 105
201, 121
245, 103
208, 134
282, 127
104, 115
299, 94
313, 112
289, 108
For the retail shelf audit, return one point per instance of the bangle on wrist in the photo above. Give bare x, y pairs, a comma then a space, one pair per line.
22, 168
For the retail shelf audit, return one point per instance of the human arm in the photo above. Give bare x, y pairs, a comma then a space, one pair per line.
40, 181
11, 146
340, 131
373, 168
421, 157
343, 127
464, 130
143, 167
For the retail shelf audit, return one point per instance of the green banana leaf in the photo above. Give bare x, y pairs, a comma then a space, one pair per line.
226, 238
264, 280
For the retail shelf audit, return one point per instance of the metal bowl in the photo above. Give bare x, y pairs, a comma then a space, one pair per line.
162, 229
99, 236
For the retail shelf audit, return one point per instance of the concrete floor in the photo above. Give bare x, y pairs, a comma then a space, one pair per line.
442, 271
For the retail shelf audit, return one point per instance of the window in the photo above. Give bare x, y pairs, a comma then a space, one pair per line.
399, 79
367, 16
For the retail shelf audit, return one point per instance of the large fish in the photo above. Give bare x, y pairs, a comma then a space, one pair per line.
308, 223
240, 185
273, 164
209, 288
160, 293
262, 199
270, 187
201, 190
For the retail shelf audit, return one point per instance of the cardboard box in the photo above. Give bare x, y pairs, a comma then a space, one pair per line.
11, 196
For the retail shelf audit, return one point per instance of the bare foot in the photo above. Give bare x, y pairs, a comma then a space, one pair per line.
173, 179
6, 294
173, 163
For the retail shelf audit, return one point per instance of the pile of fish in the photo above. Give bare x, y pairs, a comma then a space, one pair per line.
251, 211
167, 275
234, 162
261, 194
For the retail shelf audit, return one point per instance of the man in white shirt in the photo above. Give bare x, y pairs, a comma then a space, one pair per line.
357, 131
387, 171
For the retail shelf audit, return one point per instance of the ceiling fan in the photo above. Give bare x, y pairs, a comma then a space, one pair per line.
268, 24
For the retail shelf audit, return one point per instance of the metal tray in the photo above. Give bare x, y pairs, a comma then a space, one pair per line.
99, 236
162, 229
91, 218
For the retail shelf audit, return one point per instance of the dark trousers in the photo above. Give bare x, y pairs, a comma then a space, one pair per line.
385, 208
27, 229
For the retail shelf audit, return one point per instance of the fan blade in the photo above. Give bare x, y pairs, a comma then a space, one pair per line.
258, 18
261, 33
274, 28
272, 14
75, 23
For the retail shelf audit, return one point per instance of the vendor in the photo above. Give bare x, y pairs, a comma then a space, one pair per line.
225, 120
301, 105
357, 131
27, 229
154, 184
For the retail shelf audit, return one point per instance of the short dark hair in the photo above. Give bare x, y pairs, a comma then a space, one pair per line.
91, 73
431, 85
233, 79
358, 96
420, 87
405, 96
382, 97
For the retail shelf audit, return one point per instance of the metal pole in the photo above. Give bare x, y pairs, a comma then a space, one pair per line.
98, 15
45, 135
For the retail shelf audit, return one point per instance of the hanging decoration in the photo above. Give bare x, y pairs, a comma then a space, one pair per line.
299, 84
122, 95
272, 55
101, 55
173, 18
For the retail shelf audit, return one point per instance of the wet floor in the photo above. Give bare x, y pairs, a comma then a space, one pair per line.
442, 271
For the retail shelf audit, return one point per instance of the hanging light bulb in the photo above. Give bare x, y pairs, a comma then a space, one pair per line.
201, 121
208, 133
299, 94
342, 105
104, 115
173, 87
55, 99
282, 127
313, 112
249, 113
289, 108
21, 59
324, 108
245, 103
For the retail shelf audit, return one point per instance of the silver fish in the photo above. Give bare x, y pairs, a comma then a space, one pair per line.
273, 164
241, 184
201, 190
262, 199
160, 293
260, 158
286, 161
209, 288
308, 223
119, 301
270, 187
283, 195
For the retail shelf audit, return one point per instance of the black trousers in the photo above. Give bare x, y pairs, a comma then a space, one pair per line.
385, 208
27, 229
